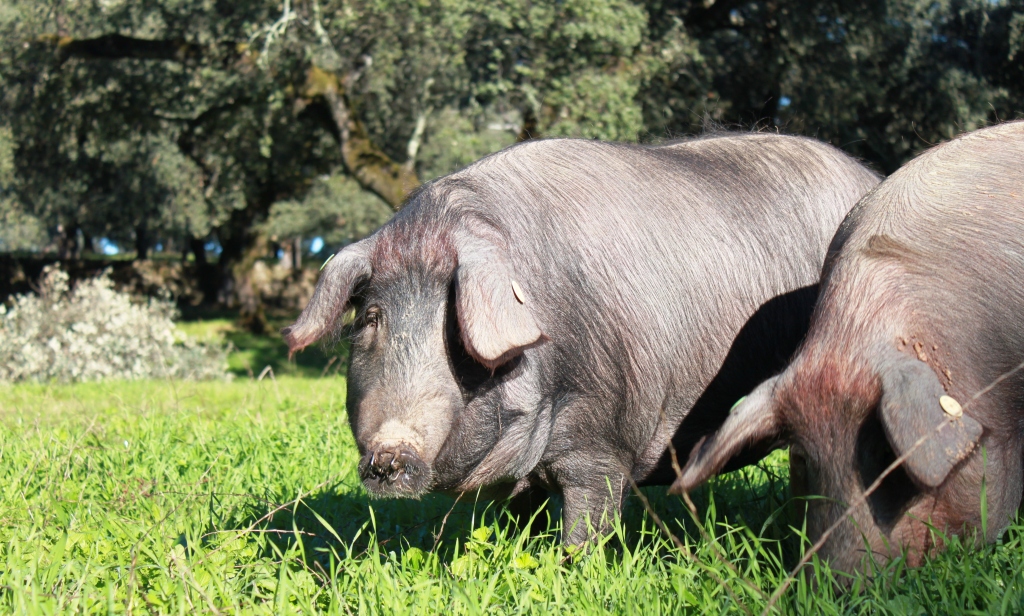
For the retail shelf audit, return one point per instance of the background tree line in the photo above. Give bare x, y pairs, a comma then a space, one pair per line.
223, 132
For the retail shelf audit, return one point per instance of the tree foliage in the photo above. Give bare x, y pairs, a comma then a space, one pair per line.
882, 79
184, 122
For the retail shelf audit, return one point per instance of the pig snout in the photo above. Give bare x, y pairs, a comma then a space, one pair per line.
394, 470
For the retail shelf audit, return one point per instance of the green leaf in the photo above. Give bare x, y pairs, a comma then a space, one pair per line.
525, 561
482, 534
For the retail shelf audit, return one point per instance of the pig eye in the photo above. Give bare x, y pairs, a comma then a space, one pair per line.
372, 317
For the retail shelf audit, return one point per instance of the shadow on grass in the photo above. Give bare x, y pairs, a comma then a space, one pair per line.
749, 545
345, 520
252, 353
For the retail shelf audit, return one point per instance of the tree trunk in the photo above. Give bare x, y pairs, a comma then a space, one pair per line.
248, 286
242, 247
286, 254
228, 280
774, 54
198, 248
141, 242
88, 243
67, 244
531, 126
207, 276
297, 255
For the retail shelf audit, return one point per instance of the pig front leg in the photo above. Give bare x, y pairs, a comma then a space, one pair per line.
590, 502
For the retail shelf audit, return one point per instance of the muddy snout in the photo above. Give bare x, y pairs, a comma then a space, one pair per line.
394, 470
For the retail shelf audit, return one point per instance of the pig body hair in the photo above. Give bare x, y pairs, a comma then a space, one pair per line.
663, 282
920, 300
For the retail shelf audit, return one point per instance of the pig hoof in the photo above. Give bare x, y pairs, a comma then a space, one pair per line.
393, 471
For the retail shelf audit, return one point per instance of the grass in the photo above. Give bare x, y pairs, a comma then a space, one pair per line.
242, 497
251, 353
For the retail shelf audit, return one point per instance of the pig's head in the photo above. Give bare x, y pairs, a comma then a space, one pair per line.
847, 420
437, 314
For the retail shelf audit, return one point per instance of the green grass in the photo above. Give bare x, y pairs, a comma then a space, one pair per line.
251, 354
169, 497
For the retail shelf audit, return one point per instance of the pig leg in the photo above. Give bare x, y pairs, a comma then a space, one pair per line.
591, 502
526, 505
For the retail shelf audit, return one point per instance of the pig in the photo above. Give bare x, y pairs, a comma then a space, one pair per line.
544, 320
921, 307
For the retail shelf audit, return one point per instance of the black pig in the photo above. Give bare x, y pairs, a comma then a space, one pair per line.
921, 308
547, 317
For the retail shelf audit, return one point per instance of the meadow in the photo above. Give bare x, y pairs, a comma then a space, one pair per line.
242, 496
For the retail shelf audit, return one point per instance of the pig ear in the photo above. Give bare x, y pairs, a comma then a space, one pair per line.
910, 409
755, 419
340, 275
494, 313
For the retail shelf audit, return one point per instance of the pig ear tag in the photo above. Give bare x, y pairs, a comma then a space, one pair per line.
518, 292
951, 406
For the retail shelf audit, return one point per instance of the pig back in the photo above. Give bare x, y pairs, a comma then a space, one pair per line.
643, 263
939, 246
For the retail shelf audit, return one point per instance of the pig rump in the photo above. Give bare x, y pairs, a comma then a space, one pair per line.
909, 404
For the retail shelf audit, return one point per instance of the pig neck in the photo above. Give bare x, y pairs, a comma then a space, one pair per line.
524, 428
833, 375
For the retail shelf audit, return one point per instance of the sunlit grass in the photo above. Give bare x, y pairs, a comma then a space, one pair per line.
168, 497
207, 330
251, 354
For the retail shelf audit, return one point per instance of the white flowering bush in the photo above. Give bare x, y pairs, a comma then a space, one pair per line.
94, 332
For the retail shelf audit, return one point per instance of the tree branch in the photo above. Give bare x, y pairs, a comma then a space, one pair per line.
413, 147
368, 164
118, 47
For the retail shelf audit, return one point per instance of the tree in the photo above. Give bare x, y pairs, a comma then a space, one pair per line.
570, 68
382, 66
178, 118
176, 135
189, 121
883, 80
19, 231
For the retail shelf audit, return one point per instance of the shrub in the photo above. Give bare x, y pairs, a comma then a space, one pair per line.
95, 332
